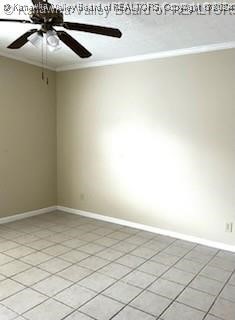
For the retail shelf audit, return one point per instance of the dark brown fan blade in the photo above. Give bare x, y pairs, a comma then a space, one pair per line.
105, 31
21, 41
15, 20
73, 44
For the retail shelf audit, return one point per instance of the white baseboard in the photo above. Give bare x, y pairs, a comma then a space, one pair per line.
205, 242
27, 214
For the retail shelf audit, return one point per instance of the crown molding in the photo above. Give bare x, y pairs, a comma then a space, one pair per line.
151, 56
138, 58
28, 61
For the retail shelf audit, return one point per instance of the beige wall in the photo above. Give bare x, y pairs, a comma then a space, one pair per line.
27, 138
151, 142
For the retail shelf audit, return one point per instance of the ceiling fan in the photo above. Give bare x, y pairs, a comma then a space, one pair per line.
49, 18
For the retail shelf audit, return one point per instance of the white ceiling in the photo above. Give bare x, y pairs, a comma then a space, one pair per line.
141, 34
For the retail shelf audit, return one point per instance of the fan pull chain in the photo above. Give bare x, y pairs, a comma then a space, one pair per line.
47, 80
44, 62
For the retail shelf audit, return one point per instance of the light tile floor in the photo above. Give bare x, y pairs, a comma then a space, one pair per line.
66, 267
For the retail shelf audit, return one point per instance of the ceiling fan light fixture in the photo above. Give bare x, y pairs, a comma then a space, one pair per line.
36, 39
53, 49
53, 40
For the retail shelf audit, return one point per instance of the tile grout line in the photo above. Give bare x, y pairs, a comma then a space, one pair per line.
218, 295
51, 274
117, 259
93, 271
146, 289
110, 262
117, 280
188, 286
136, 269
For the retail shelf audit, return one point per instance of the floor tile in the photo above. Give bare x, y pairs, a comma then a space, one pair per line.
139, 279
26, 239
189, 266
137, 240
165, 259
106, 242
74, 243
206, 250
54, 265
93, 263
31, 276
131, 261
109, 254
166, 288
185, 244
52, 285
232, 280
223, 264
56, 250
36, 258
9, 287
196, 299
75, 296
90, 237
153, 268
74, 273
2, 277
78, 316
228, 293
211, 317
102, 308
14, 267
19, 252
176, 251
129, 313
155, 245
74, 256
7, 314
115, 270
42, 233
151, 303
223, 309
92, 248
79, 260
198, 257
165, 239
49, 310
122, 292
144, 252
97, 282
5, 259
7, 245
179, 276
207, 285
226, 255
118, 235
124, 246
178, 311
24, 300
215, 274
40, 244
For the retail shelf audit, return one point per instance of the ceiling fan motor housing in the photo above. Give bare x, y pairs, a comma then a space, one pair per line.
51, 17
